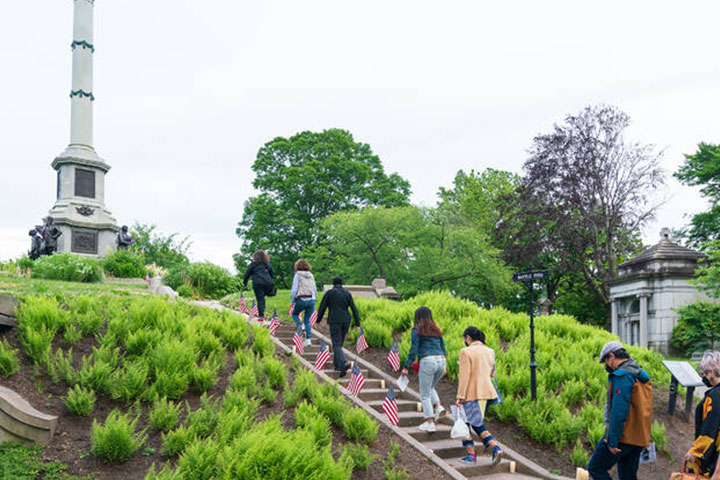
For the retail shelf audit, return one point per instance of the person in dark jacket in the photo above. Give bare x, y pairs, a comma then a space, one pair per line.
262, 278
703, 454
338, 300
619, 445
428, 346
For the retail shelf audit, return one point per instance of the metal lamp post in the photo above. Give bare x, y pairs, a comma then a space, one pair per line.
529, 278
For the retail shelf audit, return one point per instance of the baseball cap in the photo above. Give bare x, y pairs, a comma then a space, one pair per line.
608, 348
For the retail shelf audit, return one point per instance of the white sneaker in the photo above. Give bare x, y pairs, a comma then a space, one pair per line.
439, 412
307, 342
428, 427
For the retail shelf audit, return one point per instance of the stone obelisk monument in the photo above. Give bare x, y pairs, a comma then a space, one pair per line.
87, 225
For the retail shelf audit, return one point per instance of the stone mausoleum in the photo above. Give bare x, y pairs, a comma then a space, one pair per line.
87, 225
648, 289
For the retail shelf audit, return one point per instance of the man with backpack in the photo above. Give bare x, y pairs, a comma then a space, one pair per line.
628, 413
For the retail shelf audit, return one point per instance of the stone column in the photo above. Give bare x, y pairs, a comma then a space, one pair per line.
81, 122
614, 317
644, 320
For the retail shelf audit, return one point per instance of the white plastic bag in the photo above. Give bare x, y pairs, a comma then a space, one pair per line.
460, 429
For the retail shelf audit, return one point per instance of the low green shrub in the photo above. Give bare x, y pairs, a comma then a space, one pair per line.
276, 372
334, 408
209, 280
204, 376
698, 327
116, 440
579, 456
125, 263
96, 375
311, 419
360, 455
198, 460
164, 414
80, 400
61, 367
172, 385
359, 426
185, 291
68, 267
131, 381
175, 441
9, 362
36, 344
268, 395
202, 422
263, 344
657, 435
305, 386
73, 334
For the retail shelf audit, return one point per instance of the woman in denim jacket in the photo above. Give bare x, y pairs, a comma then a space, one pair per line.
428, 345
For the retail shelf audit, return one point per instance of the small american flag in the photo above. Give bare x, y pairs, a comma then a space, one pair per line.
274, 323
323, 356
357, 380
291, 309
393, 357
298, 340
390, 406
243, 304
147, 278
253, 310
361, 345
313, 319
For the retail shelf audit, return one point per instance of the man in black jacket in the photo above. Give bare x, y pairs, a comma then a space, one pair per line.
337, 299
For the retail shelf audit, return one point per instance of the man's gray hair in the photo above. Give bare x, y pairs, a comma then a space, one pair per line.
711, 361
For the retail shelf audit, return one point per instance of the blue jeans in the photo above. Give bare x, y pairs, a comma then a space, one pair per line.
430, 372
628, 461
308, 306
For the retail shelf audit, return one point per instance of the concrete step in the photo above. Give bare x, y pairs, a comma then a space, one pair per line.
403, 405
368, 393
333, 374
443, 432
369, 382
449, 448
503, 476
483, 466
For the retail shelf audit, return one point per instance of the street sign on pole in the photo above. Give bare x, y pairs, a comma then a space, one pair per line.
529, 278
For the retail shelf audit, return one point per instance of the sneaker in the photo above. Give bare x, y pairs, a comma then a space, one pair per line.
496, 455
439, 412
469, 458
428, 427
343, 371
307, 342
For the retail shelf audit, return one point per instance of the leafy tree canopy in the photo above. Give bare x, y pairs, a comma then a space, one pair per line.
586, 194
414, 249
164, 250
303, 179
703, 169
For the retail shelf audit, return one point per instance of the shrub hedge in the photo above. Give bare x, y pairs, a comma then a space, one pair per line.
68, 267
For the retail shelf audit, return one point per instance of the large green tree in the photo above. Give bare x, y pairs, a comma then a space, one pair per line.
303, 179
585, 195
414, 249
703, 169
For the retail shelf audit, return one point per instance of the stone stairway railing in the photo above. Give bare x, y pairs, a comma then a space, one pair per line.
20, 422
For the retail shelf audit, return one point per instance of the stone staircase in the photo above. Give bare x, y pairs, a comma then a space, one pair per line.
438, 447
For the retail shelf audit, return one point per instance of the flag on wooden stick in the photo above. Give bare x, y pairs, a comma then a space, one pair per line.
274, 323
393, 357
242, 307
390, 406
253, 310
323, 356
357, 380
313, 319
298, 341
292, 307
361, 345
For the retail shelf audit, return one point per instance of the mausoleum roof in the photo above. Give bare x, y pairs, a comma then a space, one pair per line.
665, 250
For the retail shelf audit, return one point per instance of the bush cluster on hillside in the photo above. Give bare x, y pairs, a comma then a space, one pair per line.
125, 264
207, 279
68, 267
571, 382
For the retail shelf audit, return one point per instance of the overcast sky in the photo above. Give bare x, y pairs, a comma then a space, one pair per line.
187, 92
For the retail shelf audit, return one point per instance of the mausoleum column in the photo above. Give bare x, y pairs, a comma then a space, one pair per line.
644, 320
614, 317
81, 121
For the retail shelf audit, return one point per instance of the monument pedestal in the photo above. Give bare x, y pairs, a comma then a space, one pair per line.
79, 212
